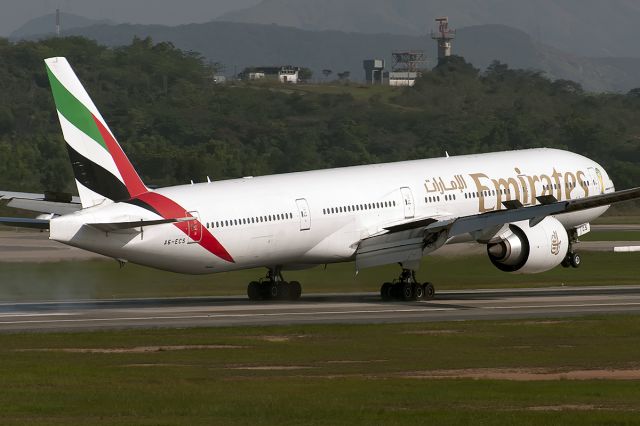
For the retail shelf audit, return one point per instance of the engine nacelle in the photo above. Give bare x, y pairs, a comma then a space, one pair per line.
529, 250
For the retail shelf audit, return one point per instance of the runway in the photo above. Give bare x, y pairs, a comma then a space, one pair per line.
317, 309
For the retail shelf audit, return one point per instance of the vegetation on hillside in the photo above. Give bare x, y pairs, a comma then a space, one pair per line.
177, 125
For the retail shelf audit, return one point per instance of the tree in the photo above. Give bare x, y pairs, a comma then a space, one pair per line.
305, 74
326, 73
567, 86
344, 75
634, 93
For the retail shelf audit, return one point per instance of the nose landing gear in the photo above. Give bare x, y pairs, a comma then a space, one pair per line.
572, 259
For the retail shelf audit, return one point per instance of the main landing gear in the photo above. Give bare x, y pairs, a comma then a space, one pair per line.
273, 286
406, 287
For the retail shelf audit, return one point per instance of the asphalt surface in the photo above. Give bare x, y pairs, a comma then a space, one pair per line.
317, 309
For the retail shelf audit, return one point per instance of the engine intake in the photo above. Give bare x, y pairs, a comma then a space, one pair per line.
529, 250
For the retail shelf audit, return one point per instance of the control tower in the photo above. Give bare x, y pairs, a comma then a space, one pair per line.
443, 36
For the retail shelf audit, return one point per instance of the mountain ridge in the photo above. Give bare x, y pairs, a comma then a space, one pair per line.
239, 45
582, 27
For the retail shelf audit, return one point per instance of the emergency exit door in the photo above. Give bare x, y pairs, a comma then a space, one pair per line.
194, 227
303, 210
407, 202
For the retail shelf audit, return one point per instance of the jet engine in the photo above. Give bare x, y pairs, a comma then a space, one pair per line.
525, 249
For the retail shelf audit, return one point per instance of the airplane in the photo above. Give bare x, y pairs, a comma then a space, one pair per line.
528, 207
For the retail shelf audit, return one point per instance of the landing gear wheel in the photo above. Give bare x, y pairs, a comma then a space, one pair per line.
295, 290
566, 263
418, 292
274, 290
407, 291
274, 287
429, 291
575, 260
254, 291
386, 291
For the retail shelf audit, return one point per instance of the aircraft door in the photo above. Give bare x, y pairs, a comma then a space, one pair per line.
303, 209
407, 202
194, 227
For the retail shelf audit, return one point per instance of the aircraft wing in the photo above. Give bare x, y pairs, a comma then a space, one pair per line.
50, 203
407, 241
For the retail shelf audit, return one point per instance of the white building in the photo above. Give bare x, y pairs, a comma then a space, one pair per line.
284, 74
402, 78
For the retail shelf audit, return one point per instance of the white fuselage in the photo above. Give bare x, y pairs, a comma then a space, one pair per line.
319, 217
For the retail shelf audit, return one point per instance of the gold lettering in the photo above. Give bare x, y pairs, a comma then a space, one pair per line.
569, 183
557, 176
501, 184
477, 179
534, 191
547, 189
523, 184
582, 182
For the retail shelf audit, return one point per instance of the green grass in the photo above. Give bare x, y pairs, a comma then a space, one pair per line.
617, 220
340, 374
611, 236
358, 91
104, 279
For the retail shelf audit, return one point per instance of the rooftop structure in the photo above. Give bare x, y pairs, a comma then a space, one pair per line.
407, 66
443, 36
373, 70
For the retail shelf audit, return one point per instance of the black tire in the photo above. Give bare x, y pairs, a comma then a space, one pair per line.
429, 291
265, 290
418, 292
566, 262
407, 291
295, 290
575, 260
386, 291
274, 290
285, 291
254, 291
396, 291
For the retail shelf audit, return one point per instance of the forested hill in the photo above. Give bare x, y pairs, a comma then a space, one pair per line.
177, 125
238, 45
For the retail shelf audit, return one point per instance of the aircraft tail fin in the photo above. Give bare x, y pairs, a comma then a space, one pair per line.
102, 170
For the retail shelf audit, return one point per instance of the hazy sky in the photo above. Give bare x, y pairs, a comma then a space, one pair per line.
14, 13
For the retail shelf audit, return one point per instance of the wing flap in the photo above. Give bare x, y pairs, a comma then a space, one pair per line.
405, 247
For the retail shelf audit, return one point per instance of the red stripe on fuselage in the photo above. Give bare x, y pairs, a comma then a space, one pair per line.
170, 209
131, 179
166, 207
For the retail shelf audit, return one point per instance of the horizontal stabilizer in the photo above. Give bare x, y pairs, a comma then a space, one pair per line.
21, 222
42, 206
59, 204
118, 226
